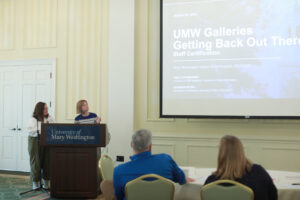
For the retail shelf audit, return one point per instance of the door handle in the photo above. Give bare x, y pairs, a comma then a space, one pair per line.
13, 129
19, 129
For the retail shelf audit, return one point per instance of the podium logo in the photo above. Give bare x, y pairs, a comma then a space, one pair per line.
69, 136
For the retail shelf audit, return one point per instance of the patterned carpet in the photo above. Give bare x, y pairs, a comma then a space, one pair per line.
12, 185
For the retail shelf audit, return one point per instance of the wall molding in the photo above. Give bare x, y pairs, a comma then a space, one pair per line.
244, 121
256, 148
281, 148
153, 63
172, 146
216, 138
200, 146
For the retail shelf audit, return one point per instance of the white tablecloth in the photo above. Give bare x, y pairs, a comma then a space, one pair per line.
282, 179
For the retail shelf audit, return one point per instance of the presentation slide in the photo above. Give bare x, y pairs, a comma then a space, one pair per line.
230, 58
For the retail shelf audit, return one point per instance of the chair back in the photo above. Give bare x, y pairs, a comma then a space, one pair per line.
226, 190
150, 187
106, 166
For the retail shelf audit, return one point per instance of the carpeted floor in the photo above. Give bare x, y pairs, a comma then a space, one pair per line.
12, 185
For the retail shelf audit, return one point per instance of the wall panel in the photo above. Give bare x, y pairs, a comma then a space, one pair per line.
40, 23
7, 24
83, 53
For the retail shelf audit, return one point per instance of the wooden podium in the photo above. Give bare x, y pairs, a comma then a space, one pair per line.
73, 158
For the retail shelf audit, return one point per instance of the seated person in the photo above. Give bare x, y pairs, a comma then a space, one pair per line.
233, 165
143, 162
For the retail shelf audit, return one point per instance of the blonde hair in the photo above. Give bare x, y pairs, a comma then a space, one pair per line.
232, 162
79, 105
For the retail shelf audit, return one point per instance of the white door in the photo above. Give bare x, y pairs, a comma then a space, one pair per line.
8, 119
34, 86
34, 82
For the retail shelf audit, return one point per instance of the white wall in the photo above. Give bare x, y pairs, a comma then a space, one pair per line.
121, 77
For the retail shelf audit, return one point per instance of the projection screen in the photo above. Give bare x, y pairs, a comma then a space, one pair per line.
230, 58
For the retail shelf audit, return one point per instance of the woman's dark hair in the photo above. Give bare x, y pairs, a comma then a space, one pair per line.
38, 112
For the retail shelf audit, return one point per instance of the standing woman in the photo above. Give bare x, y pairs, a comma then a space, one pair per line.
39, 155
86, 117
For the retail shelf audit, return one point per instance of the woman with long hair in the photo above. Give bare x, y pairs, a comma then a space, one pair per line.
39, 155
234, 165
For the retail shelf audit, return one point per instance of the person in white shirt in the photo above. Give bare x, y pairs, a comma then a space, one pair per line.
39, 155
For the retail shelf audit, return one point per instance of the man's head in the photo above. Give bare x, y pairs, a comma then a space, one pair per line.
141, 141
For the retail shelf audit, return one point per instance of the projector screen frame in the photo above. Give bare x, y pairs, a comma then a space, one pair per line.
161, 115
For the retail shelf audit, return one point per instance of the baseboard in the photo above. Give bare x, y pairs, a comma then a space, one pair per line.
14, 172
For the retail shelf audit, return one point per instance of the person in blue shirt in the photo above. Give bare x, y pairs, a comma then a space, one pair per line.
144, 162
86, 117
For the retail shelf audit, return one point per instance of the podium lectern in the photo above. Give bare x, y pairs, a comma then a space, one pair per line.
73, 158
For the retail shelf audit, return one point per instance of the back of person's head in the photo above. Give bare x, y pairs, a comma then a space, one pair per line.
232, 162
141, 140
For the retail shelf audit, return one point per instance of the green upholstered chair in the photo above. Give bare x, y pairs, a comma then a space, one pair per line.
106, 166
232, 190
150, 187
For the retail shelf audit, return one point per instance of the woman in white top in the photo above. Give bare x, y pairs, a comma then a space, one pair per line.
39, 155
